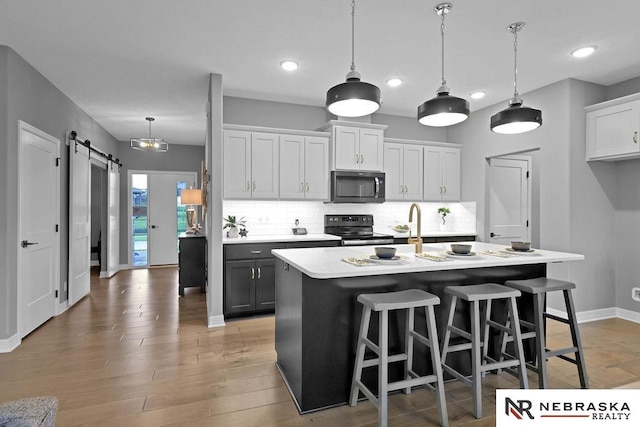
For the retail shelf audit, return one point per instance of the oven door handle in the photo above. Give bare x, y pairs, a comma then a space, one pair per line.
377, 181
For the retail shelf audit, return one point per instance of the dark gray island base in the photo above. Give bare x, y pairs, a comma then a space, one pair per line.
317, 324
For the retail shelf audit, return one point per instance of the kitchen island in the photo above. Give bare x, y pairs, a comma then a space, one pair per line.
317, 315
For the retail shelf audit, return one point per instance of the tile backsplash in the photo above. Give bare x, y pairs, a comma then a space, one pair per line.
278, 217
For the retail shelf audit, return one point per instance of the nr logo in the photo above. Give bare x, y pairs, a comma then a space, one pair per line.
518, 408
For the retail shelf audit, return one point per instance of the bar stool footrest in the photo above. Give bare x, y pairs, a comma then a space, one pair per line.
391, 359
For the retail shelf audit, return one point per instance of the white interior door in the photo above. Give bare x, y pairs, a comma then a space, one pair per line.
113, 218
163, 217
509, 205
79, 221
38, 224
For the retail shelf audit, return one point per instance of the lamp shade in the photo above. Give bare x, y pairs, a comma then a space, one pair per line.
191, 197
443, 110
353, 98
516, 119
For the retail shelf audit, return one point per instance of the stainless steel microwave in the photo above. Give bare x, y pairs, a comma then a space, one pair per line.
357, 187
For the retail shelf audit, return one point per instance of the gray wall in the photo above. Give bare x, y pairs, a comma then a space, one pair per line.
180, 158
627, 215
27, 95
252, 112
574, 198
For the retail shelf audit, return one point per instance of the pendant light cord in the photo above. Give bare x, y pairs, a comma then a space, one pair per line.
515, 62
442, 80
150, 128
353, 37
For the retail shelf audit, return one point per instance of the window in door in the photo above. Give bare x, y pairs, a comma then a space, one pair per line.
139, 223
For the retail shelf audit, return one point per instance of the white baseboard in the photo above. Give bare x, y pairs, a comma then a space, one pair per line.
62, 307
94, 263
600, 314
10, 344
216, 321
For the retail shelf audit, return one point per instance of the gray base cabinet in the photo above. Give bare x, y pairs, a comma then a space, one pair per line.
250, 276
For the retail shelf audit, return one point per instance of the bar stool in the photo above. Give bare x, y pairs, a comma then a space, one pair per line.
539, 287
481, 362
383, 303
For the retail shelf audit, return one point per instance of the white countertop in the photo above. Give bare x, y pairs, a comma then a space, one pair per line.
326, 263
425, 233
279, 238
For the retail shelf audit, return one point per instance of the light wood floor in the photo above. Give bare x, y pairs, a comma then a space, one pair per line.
133, 353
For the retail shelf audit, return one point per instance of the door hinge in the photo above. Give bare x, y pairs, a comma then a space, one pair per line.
527, 174
56, 293
527, 223
57, 161
57, 228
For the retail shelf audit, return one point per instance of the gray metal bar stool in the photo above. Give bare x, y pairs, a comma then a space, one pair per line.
480, 361
539, 288
383, 303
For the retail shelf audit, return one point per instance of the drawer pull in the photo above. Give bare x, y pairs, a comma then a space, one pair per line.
256, 252
635, 137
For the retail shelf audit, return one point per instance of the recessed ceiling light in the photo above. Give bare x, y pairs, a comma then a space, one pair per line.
394, 81
478, 95
289, 65
583, 52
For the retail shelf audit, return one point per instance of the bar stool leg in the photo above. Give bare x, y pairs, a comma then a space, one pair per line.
444, 346
408, 346
541, 344
437, 366
575, 336
517, 340
475, 359
357, 370
485, 333
383, 368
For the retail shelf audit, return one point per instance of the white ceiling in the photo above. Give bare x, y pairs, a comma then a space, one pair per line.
122, 60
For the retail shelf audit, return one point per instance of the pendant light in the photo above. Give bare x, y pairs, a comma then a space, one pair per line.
354, 98
444, 109
516, 118
149, 144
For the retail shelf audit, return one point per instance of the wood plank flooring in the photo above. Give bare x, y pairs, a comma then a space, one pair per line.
133, 353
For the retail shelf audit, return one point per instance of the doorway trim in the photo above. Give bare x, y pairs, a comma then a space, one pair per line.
57, 308
130, 206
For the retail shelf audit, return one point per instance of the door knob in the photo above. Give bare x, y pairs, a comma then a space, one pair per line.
25, 243
155, 226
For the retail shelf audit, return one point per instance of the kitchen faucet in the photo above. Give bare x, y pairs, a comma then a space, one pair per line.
417, 241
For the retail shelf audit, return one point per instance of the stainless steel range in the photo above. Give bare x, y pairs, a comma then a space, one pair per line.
355, 230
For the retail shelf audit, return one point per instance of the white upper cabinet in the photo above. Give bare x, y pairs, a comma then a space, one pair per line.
612, 129
304, 167
250, 165
403, 171
356, 146
441, 174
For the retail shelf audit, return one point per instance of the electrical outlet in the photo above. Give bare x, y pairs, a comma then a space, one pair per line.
635, 294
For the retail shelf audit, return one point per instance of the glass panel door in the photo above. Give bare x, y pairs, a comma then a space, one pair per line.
139, 223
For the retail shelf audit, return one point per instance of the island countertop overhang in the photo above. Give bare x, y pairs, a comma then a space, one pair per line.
326, 263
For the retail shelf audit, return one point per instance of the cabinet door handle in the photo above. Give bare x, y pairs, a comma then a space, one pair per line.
357, 158
258, 272
253, 273
635, 137
402, 189
248, 185
256, 252
301, 187
361, 158
445, 189
254, 185
440, 190
307, 187
406, 189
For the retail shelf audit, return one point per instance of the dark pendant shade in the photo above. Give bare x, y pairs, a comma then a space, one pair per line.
443, 110
516, 119
353, 98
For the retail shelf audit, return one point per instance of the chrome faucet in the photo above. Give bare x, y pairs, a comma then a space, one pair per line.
417, 241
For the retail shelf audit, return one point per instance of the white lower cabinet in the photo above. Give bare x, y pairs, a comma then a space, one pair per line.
304, 167
403, 171
250, 165
441, 174
612, 129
